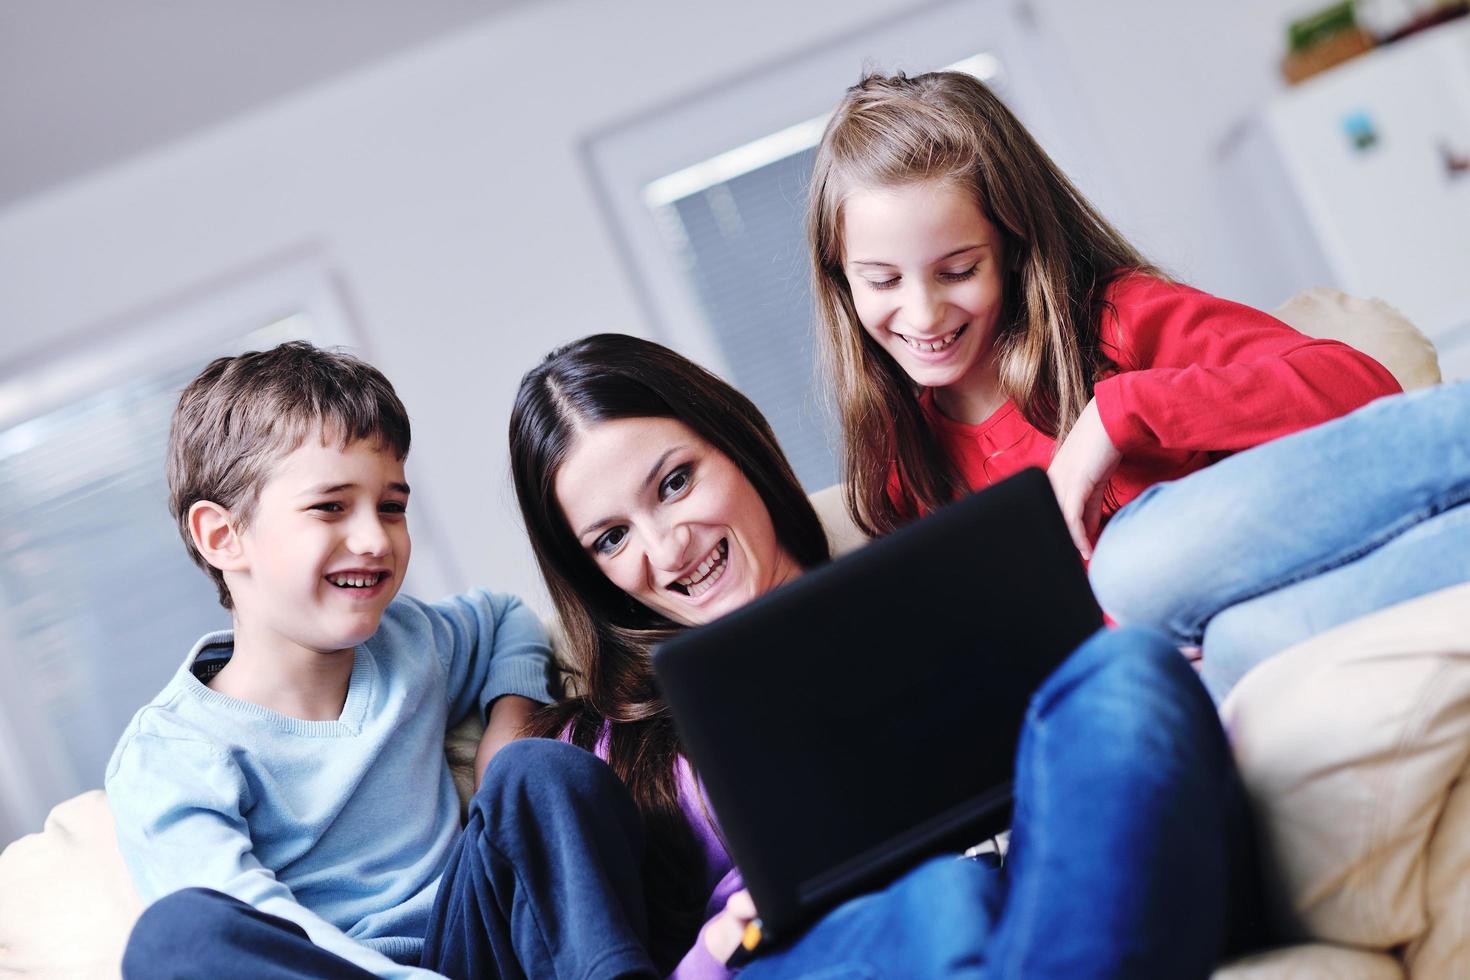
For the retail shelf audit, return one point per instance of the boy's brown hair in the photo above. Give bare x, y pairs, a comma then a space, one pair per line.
244, 413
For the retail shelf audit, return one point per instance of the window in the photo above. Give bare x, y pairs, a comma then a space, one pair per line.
707, 195
735, 224
98, 600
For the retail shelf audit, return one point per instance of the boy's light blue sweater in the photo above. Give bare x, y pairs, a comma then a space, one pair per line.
343, 827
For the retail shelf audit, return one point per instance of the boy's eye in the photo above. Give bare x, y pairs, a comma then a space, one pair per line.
959, 276
608, 541
675, 483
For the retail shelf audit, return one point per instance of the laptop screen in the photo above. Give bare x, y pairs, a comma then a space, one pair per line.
866, 714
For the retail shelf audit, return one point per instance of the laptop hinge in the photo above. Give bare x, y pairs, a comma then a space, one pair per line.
946, 830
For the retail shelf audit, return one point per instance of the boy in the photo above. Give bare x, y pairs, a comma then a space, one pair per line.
295, 763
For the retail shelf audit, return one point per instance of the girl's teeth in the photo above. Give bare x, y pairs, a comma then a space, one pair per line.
931, 346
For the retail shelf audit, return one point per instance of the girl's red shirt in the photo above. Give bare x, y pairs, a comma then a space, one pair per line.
1198, 378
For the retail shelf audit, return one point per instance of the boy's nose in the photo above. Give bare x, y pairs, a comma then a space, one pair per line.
368, 537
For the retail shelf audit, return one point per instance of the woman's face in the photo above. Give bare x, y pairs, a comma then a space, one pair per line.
669, 519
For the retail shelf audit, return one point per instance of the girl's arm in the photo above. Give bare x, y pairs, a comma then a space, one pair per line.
1079, 474
1203, 373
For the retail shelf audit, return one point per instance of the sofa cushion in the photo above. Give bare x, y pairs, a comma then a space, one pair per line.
1313, 961
1350, 746
1371, 326
843, 534
66, 902
1444, 948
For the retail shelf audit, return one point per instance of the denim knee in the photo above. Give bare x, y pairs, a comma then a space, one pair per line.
541, 772
1236, 641
1129, 569
170, 932
1136, 670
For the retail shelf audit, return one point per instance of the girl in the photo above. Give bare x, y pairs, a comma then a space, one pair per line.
979, 317
656, 499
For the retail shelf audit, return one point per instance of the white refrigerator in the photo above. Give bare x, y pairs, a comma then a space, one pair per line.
1359, 178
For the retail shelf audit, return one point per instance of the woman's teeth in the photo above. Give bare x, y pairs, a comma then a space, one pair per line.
709, 571
933, 346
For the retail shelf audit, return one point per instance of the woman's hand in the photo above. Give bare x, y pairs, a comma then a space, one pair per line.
1079, 474
723, 934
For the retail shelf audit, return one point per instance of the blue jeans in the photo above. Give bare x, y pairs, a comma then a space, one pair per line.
1278, 543
1131, 851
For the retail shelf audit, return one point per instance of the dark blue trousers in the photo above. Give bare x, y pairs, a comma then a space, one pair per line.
1131, 856
546, 880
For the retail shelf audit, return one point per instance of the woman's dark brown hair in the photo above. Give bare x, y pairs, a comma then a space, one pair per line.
609, 635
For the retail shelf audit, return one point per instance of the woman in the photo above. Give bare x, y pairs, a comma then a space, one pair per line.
657, 499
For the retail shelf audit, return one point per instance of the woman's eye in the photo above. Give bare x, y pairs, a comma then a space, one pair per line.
393, 507
608, 541
888, 283
329, 507
959, 276
674, 484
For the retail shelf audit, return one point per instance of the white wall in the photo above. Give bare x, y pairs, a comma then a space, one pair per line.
1166, 84
445, 188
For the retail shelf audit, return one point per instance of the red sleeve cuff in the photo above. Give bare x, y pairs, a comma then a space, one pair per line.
1125, 430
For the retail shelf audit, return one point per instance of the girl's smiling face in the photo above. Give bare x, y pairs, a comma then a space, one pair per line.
669, 519
926, 271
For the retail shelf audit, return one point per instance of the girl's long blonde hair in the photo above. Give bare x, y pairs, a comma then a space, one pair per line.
1058, 254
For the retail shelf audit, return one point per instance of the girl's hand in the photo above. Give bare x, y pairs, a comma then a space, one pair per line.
722, 936
1079, 474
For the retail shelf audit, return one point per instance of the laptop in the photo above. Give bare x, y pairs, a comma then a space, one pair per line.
866, 715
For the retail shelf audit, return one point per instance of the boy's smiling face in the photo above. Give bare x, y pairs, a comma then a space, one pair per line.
325, 550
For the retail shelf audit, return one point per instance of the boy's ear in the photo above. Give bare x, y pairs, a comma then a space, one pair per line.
215, 535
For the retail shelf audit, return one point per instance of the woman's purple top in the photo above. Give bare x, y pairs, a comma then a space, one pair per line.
720, 876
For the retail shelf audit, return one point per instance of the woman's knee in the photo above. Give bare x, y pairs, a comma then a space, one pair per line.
1126, 656
1130, 677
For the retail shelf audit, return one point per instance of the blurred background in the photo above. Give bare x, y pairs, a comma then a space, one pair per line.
454, 187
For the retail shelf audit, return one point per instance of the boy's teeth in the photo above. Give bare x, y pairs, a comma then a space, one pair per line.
354, 581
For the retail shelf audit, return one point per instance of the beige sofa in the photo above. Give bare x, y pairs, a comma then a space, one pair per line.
1355, 748
1352, 745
